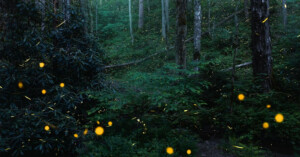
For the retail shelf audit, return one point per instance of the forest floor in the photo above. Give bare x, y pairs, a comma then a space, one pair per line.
211, 148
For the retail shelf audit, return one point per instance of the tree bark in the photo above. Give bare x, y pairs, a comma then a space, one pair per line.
68, 7
246, 8
261, 43
96, 20
148, 5
209, 6
40, 4
163, 19
85, 16
130, 21
91, 17
181, 23
284, 13
141, 14
167, 14
197, 31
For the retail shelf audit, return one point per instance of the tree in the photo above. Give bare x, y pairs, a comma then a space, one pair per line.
181, 23
197, 30
68, 14
165, 17
209, 13
40, 4
261, 43
96, 20
130, 21
141, 14
246, 8
148, 6
83, 7
284, 13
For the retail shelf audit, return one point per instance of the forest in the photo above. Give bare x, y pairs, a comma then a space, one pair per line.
150, 78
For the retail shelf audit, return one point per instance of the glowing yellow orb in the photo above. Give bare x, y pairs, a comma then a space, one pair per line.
110, 123
47, 128
265, 125
188, 152
99, 130
44, 91
20, 85
85, 131
170, 150
241, 97
98, 122
62, 85
268, 106
76, 135
42, 65
279, 118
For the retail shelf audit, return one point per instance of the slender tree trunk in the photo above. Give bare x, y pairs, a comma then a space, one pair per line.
96, 20
236, 45
261, 43
148, 5
197, 31
68, 7
41, 6
246, 7
130, 21
91, 17
101, 2
167, 14
85, 16
163, 19
284, 13
209, 6
181, 23
141, 14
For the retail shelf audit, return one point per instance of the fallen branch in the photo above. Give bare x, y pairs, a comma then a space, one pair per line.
157, 53
237, 66
218, 24
137, 61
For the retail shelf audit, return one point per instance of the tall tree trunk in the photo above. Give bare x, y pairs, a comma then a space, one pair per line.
246, 8
91, 17
68, 7
148, 5
167, 14
163, 19
261, 43
236, 45
130, 21
209, 6
96, 20
41, 6
284, 13
181, 23
141, 14
197, 31
85, 16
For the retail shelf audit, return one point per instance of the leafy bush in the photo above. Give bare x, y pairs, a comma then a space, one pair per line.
33, 60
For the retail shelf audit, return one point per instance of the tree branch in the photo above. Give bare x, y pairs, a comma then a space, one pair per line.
237, 66
162, 51
219, 23
137, 61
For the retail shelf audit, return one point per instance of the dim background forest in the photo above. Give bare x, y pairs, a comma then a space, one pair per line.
155, 78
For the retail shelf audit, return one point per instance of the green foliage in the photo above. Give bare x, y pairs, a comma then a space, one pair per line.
25, 111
